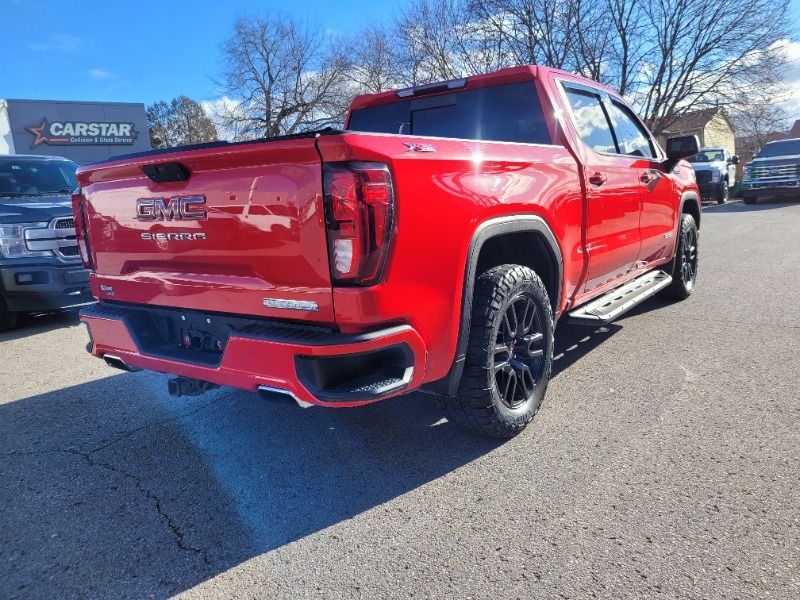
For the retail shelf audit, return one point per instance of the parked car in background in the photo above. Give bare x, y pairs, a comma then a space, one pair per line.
40, 268
716, 173
433, 244
773, 173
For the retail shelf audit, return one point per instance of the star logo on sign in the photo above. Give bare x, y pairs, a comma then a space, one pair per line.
41, 138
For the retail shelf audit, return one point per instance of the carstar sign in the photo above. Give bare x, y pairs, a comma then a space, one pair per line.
69, 133
81, 131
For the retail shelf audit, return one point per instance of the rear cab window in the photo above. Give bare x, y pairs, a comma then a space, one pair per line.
502, 113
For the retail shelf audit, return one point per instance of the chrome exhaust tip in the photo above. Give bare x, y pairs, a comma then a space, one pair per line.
112, 360
266, 391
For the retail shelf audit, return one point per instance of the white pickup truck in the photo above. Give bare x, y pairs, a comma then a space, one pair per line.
716, 173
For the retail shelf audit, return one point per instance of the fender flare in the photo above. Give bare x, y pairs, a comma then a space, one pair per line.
692, 197
485, 231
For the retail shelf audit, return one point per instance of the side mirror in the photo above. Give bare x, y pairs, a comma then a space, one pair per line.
734, 160
682, 147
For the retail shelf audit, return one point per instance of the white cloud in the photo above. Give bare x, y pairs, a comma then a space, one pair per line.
98, 73
57, 42
216, 109
792, 78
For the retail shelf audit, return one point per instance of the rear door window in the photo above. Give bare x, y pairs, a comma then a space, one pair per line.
503, 113
591, 120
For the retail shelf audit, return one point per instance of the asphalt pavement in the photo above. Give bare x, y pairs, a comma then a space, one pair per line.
665, 462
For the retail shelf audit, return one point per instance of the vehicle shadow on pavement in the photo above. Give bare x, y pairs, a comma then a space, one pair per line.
573, 342
113, 489
32, 324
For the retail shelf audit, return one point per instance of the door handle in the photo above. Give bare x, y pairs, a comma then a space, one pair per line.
645, 178
597, 179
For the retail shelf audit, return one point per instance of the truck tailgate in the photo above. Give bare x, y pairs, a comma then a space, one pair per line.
244, 233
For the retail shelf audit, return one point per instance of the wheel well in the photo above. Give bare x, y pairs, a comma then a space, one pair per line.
691, 207
526, 248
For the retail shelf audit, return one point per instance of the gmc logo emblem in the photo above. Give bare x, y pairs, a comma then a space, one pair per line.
177, 208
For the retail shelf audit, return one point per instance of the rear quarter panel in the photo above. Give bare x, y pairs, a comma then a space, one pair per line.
442, 197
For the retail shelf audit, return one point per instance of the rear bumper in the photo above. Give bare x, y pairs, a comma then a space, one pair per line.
36, 287
316, 366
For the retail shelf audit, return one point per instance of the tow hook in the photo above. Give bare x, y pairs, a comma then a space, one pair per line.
185, 386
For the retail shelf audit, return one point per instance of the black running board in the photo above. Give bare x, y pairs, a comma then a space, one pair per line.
620, 300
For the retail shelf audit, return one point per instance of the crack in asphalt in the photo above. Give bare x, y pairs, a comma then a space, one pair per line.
125, 435
165, 518
128, 434
173, 527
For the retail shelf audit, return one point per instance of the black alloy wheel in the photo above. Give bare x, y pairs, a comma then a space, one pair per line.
509, 358
684, 269
689, 256
519, 352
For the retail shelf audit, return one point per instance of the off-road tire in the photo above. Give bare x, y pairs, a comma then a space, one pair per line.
8, 319
479, 406
683, 281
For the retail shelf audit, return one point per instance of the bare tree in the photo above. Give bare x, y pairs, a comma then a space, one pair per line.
375, 62
628, 43
535, 32
448, 39
703, 56
760, 118
285, 75
668, 57
181, 121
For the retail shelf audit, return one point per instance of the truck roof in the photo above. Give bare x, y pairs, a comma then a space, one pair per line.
501, 77
783, 140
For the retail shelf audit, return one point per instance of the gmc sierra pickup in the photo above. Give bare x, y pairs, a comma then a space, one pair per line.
40, 269
432, 244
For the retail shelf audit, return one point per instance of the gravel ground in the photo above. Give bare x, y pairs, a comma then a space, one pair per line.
665, 462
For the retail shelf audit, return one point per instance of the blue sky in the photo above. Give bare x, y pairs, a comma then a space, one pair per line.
146, 50
138, 50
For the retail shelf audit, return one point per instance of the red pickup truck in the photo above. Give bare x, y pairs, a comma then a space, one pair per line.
433, 244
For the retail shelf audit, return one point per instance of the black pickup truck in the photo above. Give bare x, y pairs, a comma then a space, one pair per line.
40, 266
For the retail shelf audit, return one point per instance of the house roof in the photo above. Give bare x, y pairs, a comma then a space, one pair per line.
696, 119
794, 132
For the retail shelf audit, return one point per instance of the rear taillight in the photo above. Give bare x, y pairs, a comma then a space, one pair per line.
79, 213
359, 213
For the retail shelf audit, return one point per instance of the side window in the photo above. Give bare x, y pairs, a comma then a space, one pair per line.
631, 136
591, 120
